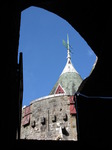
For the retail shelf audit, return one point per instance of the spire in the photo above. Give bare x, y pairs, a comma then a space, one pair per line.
68, 67
69, 80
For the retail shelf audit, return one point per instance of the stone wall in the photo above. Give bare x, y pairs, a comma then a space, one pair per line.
49, 119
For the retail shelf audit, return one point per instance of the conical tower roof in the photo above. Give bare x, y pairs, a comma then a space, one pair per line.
69, 80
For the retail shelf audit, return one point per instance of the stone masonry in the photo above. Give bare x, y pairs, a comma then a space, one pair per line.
50, 118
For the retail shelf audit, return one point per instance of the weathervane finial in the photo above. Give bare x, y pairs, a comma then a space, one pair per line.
67, 41
67, 45
68, 49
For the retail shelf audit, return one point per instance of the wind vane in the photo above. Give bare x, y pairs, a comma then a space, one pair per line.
67, 45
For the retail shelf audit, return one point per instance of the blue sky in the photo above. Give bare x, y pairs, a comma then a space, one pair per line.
44, 56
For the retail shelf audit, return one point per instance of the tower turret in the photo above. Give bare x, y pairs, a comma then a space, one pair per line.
69, 79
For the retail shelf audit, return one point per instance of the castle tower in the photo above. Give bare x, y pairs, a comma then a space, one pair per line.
53, 117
